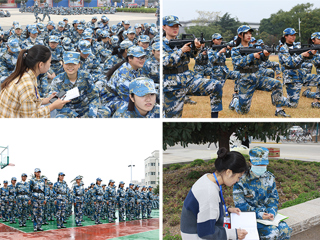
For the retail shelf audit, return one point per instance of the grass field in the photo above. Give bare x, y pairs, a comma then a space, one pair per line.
261, 106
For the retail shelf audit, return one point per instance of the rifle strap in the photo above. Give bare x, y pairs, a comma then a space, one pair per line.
177, 70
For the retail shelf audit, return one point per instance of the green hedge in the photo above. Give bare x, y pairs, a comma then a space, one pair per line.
138, 10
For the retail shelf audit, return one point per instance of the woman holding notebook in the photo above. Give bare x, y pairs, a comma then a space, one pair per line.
204, 212
256, 192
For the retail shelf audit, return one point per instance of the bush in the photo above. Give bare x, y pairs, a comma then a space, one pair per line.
174, 220
303, 197
138, 10
197, 162
165, 169
193, 175
175, 166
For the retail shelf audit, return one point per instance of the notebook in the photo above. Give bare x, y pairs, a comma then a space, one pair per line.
247, 221
279, 217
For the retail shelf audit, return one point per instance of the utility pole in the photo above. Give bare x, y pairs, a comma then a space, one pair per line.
299, 30
131, 166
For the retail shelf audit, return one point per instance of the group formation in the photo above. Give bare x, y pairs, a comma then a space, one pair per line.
42, 201
115, 68
252, 70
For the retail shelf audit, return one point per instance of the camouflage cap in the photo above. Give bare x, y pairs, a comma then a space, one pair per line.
111, 180
315, 35
99, 31
75, 21
150, 187
23, 175
86, 35
17, 26
71, 57
146, 25
104, 19
131, 30
65, 19
94, 17
37, 170
121, 182
143, 38
244, 28
153, 25
142, 86
51, 23
88, 30
216, 36
61, 174
15, 23
44, 178
83, 22
153, 31
253, 39
103, 185
259, 42
126, 44
33, 30
61, 24
50, 183
104, 34
131, 184
156, 46
54, 38
13, 179
78, 177
40, 26
66, 41
98, 179
137, 25
156, 38
14, 45
126, 22
5, 181
113, 29
289, 31
136, 51
115, 41
259, 156
85, 46
170, 20
80, 27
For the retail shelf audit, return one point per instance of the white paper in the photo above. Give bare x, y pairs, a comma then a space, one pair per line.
72, 93
247, 221
279, 217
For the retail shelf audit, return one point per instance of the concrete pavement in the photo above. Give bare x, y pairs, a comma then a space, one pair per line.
28, 18
293, 151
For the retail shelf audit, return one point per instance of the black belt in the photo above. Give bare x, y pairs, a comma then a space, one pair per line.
79, 195
61, 193
249, 70
219, 64
99, 194
176, 70
297, 67
37, 191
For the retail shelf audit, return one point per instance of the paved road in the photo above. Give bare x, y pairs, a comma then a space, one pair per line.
302, 151
28, 18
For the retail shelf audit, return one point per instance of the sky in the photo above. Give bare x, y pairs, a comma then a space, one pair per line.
251, 11
89, 147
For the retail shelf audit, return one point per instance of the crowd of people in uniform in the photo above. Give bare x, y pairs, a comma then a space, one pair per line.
41, 201
106, 59
251, 71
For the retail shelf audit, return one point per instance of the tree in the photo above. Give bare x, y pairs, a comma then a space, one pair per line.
156, 189
201, 133
88, 1
57, 2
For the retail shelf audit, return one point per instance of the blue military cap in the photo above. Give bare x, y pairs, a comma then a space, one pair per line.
37, 170
23, 175
61, 174
45, 178
54, 38
216, 36
99, 31
137, 186
146, 25
40, 26
153, 31
88, 30
61, 24
104, 185
51, 23
15, 23
5, 181
85, 46
114, 28
17, 26
156, 46
121, 182
14, 46
153, 25
98, 179
78, 177
71, 57
83, 22
131, 184
127, 188
137, 25
244, 28
119, 24
142, 86
94, 17
75, 21
86, 35
315, 35
104, 19
144, 38
259, 156
50, 183
156, 38
126, 22
65, 19
170, 20
126, 44
104, 34
13, 179
131, 30
150, 187
80, 27
33, 30
136, 51
143, 186
253, 39
115, 41
111, 181
289, 31
92, 184
259, 42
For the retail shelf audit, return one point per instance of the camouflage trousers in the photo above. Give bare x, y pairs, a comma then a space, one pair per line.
149, 209
121, 210
249, 84
97, 211
194, 86
143, 209
78, 212
111, 210
130, 210
137, 210
37, 210
22, 210
50, 210
4, 210
85, 112
282, 232
61, 205
44, 15
222, 76
12, 210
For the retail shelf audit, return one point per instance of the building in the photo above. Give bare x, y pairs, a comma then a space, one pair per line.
152, 169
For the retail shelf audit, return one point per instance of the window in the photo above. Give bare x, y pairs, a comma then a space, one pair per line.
153, 182
153, 173
153, 164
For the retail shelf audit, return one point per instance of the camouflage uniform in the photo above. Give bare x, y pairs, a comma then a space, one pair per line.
150, 197
123, 112
78, 192
4, 194
8, 63
23, 196
130, 204
144, 199
151, 69
61, 190
179, 81
121, 202
46, 11
137, 206
12, 210
111, 191
28, 43
56, 56
97, 194
258, 194
50, 205
37, 189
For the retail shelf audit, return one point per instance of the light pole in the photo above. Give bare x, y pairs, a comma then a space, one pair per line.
131, 166
299, 30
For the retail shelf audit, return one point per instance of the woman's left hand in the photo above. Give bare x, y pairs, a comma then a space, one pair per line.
234, 210
46, 100
197, 43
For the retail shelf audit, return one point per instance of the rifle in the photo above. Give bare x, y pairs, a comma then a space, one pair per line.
248, 50
219, 47
305, 49
186, 38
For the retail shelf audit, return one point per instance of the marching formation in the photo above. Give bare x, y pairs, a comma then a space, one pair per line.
100, 61
252, 70
44, 201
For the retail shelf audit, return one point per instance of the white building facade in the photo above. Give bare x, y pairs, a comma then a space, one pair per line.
152, 169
